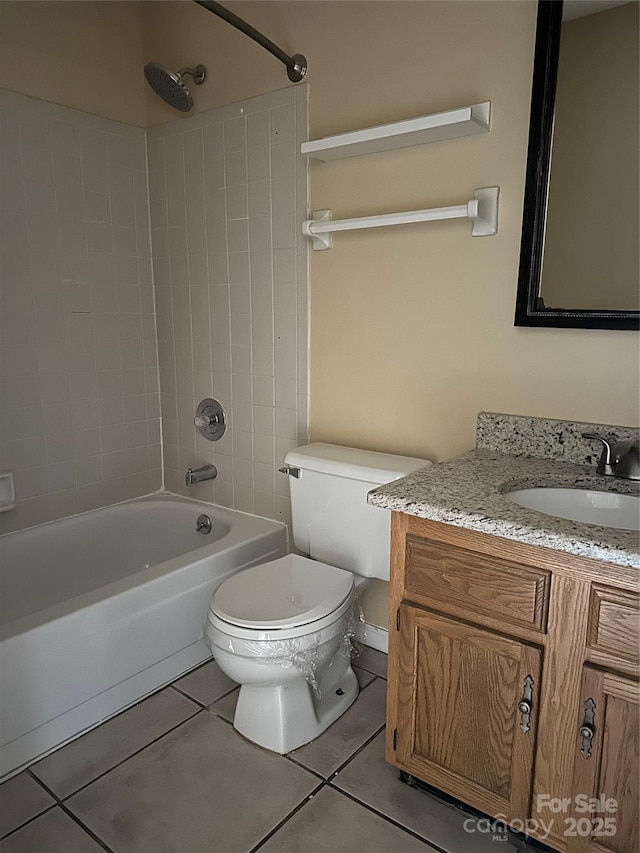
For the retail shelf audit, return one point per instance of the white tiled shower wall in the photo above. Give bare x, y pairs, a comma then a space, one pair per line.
228, 193
79, 394
79, 381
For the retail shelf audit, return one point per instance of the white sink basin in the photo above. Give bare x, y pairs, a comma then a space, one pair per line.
606, 509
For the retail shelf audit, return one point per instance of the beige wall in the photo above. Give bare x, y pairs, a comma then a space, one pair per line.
83, 55
411, 328
592, 240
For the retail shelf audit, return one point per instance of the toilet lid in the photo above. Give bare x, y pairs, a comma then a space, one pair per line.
287, 592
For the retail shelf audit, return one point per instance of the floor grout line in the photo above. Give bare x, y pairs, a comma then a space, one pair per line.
83, 826
288, 817
357, 752
304, 766
298, 763
30, 820
282, 755
209, 708
197, 701
186, 696
62, 800
224, 696
432, 844
30, 772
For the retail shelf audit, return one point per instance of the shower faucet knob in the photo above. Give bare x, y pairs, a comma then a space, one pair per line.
204, 421
210, 419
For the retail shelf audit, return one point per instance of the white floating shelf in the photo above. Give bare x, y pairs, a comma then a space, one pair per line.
452, 124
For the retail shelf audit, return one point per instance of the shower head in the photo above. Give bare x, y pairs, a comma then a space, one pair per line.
170, 86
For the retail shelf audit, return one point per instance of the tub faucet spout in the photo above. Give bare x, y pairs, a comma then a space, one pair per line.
198, 475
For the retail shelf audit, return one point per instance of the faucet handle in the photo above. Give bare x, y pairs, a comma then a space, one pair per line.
205, 421
605, 465
626, 455
210, 419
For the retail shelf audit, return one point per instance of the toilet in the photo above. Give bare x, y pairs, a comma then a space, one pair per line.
282, 629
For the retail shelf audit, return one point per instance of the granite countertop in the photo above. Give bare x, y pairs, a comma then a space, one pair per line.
467, 491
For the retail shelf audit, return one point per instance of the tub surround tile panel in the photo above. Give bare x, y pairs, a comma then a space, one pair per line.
549, 439
467, 491
79, 417
228, 192
83, 352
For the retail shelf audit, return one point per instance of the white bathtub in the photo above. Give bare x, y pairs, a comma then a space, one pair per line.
98, 610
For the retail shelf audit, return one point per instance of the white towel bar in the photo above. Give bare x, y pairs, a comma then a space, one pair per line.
482, 210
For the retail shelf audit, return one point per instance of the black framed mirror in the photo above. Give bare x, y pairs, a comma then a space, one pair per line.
579, 290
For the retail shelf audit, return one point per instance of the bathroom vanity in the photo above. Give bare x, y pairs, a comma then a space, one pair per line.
513, 647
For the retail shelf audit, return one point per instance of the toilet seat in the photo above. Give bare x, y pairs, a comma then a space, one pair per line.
289, 597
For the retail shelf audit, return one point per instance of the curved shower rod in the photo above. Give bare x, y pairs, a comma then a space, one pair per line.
296, 65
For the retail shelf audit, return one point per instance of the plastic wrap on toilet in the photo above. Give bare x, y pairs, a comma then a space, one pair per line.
308, 653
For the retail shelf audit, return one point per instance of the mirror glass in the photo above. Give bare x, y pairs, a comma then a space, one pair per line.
580, 251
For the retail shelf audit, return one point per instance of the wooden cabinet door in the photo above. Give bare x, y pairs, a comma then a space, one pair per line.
606, 766
459, 725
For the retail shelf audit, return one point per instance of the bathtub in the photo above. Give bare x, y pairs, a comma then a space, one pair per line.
103, 608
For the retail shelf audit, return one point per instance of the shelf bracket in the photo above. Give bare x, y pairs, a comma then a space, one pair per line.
485, 220
318, 241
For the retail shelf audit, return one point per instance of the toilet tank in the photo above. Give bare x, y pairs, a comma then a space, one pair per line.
331, 519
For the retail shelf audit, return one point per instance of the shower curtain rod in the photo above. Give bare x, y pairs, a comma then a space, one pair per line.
296, 65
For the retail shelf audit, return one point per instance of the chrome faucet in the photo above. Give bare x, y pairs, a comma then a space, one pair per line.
623, 460
207, 472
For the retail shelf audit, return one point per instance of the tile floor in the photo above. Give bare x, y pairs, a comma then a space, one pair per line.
171, 775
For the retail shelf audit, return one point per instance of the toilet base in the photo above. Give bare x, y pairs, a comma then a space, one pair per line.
285, 716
